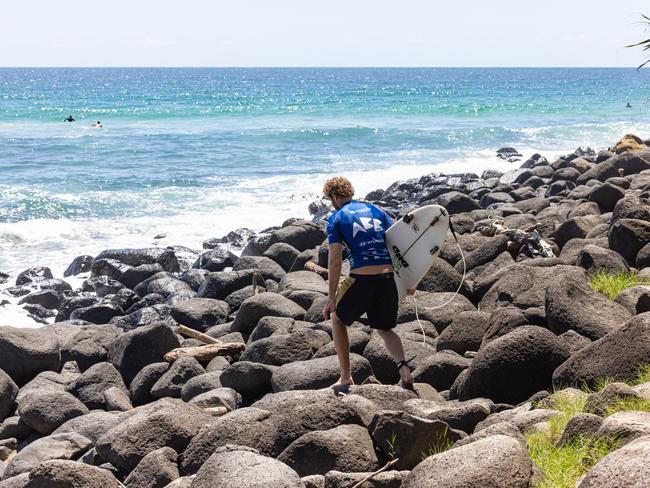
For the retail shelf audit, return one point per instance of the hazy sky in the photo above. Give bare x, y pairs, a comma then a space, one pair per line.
325, 33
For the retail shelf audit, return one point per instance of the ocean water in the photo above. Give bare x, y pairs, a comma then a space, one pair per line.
194, 153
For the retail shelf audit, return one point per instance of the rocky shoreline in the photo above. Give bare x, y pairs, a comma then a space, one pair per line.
116, 393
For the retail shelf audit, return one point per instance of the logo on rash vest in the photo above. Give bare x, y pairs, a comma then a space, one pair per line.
365, 225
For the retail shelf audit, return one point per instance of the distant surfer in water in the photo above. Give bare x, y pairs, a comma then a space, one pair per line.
98, 125
69, 118
370, 288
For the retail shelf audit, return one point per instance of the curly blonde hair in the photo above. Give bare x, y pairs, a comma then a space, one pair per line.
339, 186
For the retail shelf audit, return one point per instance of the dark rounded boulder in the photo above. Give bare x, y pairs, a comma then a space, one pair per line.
606, 196
628, 236
456, 202
465, 333
27, 352
266, 267
282, 253
262, 305
237, 466
137, 348
617, 356
596, 258
80, 264
513, 367
200, 313
571, 304
34, 274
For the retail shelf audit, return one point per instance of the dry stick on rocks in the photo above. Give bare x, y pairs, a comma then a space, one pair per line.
187, 332
310, 266
372, 475
206, 353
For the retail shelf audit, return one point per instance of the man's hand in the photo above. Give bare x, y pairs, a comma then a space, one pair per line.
330, 307
410, 291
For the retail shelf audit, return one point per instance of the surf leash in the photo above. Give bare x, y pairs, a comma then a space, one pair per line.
460, 286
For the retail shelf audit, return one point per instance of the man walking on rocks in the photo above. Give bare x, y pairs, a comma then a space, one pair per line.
370, 288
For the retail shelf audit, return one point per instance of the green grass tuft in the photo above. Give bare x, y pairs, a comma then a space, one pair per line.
644, 375
564, 465
612, 284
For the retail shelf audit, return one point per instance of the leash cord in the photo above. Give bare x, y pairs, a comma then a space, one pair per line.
415, 301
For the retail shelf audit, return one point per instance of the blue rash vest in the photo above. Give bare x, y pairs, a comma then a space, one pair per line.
362, 227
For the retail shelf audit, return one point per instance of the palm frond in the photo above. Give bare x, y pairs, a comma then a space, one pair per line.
644, 44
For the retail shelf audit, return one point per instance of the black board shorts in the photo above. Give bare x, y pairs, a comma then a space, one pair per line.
375, 295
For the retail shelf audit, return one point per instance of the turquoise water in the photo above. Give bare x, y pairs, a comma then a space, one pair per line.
194, 153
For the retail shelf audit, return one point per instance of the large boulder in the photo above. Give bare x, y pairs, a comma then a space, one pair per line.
262, 305
46, 410
632, 206
135, 257
440, 369
140, 387
282, 253
458, 415
243, 467
171, 383
166, 423
606, 196
156, 470
347, 448
91, 425
303, 280
627, 162
267, 268
200, 313
251, 380
571, 304
628, 236
220, 285
89, 345
57, 446
301, 235
279, 349
523, 286
408, 438
616, 356
8, 393
90, 386
137, 348
317, 373
27, 352
627, 467
513, 367
465, 332
270, 425
456, 202
625, 426
574, 228
70, 474
596, 258
495, 461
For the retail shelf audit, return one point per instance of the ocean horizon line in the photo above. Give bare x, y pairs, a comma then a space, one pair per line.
325, 67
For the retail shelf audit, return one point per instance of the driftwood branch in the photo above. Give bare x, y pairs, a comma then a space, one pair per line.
195, 334
206, 353
311, 266
372, 475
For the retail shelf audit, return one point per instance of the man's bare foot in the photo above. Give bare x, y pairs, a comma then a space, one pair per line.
342, 385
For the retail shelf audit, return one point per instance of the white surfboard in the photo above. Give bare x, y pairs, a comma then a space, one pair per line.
413, 241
